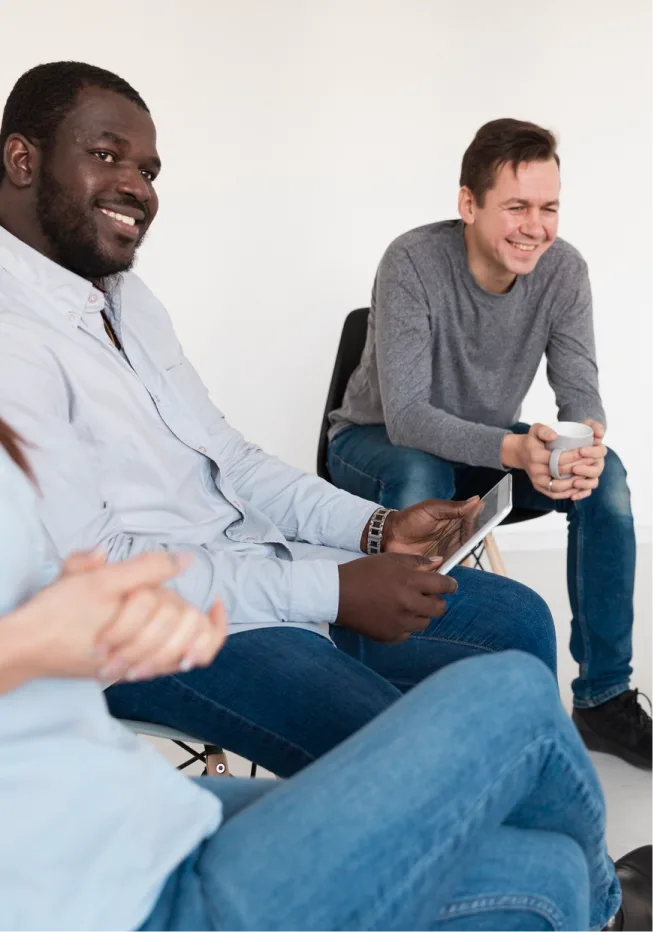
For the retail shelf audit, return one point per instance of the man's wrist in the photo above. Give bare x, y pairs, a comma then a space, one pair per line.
511, 448
380, 533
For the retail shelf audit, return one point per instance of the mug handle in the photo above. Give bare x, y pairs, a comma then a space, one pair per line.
554, 465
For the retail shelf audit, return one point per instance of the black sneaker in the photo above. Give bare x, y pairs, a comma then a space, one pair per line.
619, 726
634, 873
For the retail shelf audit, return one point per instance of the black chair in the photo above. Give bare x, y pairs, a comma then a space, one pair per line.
350, 349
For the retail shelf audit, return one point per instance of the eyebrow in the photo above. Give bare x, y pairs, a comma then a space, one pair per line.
524, 203
118, 140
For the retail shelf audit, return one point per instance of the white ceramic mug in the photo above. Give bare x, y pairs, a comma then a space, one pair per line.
571, 436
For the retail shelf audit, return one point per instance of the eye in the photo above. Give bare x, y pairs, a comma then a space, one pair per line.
105, 156
516, 210
148, 175
551, 210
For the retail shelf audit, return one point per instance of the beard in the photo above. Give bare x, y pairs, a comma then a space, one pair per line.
72, 234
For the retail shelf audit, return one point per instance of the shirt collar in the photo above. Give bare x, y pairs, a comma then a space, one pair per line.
68, 293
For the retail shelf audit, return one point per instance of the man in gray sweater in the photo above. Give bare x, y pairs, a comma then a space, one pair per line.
462, 313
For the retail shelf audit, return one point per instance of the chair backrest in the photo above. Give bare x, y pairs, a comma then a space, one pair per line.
350, 349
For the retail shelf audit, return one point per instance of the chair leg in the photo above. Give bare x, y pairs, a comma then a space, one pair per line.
494, 556
216, 761
468, 562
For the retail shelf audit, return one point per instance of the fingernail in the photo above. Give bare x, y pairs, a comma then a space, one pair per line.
141, 672
111, 671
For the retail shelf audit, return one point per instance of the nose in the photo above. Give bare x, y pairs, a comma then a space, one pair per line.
132, 183
532, 224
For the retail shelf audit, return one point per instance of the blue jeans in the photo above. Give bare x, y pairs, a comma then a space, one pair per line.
490, 816
600, 554
284, 696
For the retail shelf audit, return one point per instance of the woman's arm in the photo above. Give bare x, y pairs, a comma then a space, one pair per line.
19, 648
108, 621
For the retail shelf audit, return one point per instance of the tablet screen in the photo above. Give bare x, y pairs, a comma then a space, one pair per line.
464, 529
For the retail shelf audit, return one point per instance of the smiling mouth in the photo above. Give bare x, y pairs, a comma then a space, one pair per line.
523, 247
122, 219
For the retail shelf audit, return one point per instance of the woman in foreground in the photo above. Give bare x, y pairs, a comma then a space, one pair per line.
470, 804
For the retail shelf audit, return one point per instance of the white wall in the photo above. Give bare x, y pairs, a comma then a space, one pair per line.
299, 137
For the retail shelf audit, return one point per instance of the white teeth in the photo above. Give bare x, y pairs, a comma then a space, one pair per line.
121, 217
523, 246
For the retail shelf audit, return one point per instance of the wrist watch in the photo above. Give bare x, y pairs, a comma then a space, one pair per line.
375, 532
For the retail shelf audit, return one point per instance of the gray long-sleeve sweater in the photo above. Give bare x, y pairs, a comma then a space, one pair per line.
447, 365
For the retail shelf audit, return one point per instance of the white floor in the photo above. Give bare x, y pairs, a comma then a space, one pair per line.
627, 789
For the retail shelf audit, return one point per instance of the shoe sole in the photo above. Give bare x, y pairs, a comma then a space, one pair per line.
594, 742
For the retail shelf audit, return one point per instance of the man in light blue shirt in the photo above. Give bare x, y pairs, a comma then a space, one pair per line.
130, 454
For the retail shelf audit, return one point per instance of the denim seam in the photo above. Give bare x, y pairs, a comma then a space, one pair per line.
253, 725
541, 905
617, 690
413, 873
356, 469
428, 637
582, 621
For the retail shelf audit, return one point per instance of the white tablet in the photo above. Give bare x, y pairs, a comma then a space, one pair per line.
459, 542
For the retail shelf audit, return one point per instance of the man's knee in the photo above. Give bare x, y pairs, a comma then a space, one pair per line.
514, 616
612, 494
532, 624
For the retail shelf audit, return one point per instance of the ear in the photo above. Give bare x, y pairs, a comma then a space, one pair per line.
466, 205
21, 160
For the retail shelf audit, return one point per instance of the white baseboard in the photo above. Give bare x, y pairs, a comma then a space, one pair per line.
514, 538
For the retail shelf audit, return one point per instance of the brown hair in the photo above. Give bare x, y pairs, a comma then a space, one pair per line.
12, 443
499, 142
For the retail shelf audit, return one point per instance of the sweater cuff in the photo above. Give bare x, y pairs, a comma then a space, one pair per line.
489, 453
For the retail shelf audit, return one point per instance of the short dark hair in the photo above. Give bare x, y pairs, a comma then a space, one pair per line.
499, 142
13, 444
44, 95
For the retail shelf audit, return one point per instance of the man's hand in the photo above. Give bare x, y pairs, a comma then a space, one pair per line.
388, 596
528, 452
589, 470
433, 523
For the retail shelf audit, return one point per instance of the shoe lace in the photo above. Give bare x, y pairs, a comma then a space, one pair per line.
630, 705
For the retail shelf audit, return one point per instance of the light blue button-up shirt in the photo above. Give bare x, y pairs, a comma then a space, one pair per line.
131, 454
92, 820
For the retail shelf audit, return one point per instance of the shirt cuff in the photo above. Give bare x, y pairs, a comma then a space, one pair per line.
314, 591
348, 522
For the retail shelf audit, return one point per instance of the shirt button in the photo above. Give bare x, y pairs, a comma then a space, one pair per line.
202, 449
156, 398
92, 299
72, 315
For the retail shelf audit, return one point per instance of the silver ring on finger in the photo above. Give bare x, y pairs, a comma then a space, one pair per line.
551, 484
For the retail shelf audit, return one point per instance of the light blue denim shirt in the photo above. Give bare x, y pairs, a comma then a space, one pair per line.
92, 820
131, 454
